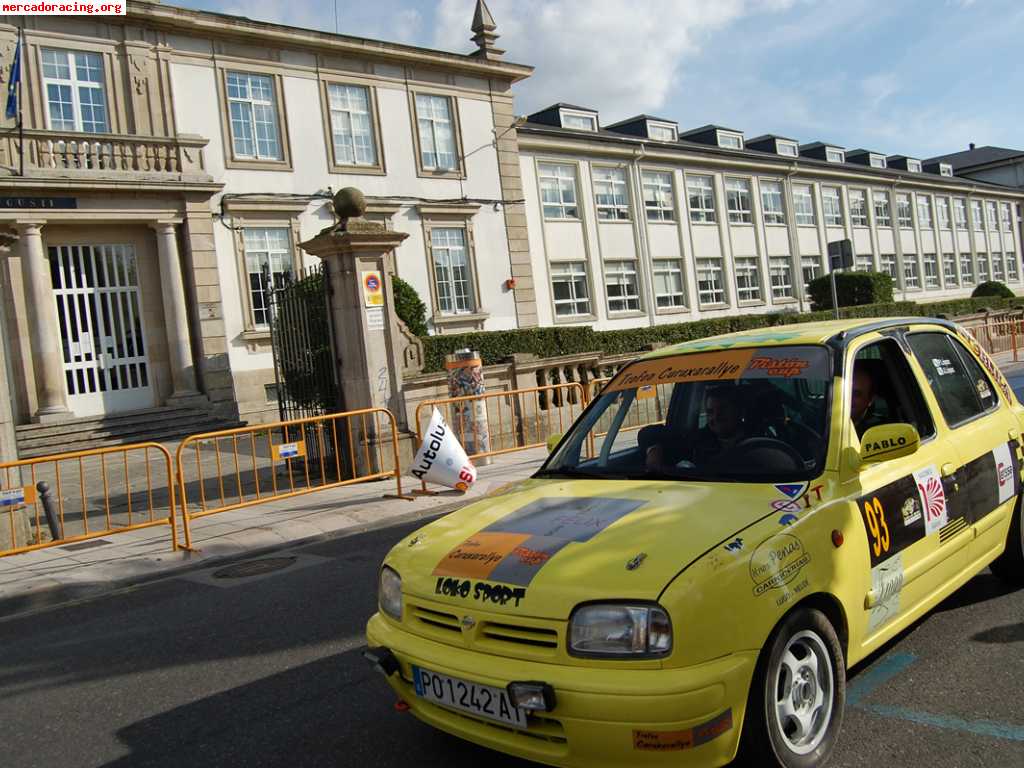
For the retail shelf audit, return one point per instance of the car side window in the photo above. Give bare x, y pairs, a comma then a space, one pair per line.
961, 387
893, 396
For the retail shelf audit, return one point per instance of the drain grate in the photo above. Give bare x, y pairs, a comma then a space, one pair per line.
254, 568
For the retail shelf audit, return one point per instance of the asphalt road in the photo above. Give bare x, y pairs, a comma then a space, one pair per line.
266, 671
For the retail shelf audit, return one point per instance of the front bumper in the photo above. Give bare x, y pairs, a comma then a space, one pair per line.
604, 717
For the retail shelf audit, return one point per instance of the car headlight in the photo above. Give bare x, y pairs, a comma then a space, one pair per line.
613, 630
389, 595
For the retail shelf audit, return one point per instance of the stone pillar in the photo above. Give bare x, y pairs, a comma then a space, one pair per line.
44, 334
179, 348
8, 438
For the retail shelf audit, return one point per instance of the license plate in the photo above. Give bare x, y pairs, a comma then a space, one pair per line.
480, 700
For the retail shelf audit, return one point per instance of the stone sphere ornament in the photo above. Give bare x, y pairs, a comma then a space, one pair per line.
349, 203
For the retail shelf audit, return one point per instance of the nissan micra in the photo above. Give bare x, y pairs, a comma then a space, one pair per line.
728, 527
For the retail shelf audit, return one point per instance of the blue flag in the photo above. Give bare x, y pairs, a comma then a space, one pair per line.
12, 84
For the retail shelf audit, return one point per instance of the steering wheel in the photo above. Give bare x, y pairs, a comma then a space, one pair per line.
752, 444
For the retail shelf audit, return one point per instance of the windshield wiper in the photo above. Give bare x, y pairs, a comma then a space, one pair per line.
572, 472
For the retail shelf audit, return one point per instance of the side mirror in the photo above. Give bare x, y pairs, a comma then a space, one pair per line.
553, 441
888, 441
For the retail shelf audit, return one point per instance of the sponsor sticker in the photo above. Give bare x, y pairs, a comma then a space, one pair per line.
911, 510
933, 498
776, 562
675, 741
887, 585
1004, 472
734, 546
943, 367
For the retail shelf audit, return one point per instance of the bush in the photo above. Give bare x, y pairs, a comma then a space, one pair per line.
409, 306
852, 289
993, 288
496, 346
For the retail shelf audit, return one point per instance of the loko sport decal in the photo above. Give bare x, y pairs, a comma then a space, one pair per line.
514, 549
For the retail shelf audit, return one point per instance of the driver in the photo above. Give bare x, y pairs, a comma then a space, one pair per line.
723, 431
862, 399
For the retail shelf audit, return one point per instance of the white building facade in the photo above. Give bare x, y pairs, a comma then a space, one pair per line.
638, 224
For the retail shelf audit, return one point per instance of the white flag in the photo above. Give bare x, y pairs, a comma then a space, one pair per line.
442, 459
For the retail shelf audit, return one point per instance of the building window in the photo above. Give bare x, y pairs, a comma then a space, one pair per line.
710, 289
914, 166
569, 288
659, 196
982, 267
436, 130
558, 191
772, 207
453, 281
883, 215
949, 270
1007, 217
960, 212
661, 132
668, 283
621, 286
268, 265
701, 193
976, 218
877, 161
352, 130
904, 213
787, 148
803, 205
580, 121
966, 269
730, 140
75, 94
252, 107
887, 264
924, 211
864, 263
997, 267
737, 201
945, 170
748, 279
610, 193
1012, 273
858, 208
835, 156
781, 274
942, 208
811, 266
931, 271
991, 215
832, 206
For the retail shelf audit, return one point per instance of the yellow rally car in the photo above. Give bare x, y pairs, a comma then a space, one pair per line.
727, 528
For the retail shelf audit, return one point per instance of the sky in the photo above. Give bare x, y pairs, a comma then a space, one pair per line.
902, 77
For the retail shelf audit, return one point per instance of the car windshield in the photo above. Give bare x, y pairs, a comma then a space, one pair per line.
749, 415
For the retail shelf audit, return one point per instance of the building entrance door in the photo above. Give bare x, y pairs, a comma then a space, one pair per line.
99, 311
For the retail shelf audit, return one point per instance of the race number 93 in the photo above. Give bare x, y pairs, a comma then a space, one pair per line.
874, 516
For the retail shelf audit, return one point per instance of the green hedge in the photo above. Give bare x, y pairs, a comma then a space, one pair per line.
496, 346
992, 288
409, 306
852, 289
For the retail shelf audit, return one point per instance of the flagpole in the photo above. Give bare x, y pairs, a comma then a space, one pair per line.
21, 87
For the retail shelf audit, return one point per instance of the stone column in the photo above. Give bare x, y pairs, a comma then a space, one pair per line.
179, 349
44, 334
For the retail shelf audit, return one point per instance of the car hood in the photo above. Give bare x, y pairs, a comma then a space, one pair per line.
543, 546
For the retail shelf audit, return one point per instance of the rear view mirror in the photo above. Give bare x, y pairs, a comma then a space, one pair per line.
553, 442
888, 441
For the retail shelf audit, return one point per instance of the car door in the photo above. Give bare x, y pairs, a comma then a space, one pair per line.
976, 408
908, 562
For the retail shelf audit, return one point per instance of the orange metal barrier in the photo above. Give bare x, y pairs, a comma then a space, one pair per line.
595, 386
88, 494
517, 419
234, 468
999, 336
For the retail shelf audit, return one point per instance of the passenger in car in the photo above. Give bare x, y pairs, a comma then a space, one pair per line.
862, 399
665, 451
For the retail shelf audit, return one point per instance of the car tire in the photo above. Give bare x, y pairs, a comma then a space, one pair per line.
1009, 566
798, 695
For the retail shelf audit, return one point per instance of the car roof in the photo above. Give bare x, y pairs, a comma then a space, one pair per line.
835, 333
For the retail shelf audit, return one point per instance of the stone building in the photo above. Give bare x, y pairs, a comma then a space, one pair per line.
173, 161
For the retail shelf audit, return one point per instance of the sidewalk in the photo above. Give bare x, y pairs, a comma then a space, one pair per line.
51, 576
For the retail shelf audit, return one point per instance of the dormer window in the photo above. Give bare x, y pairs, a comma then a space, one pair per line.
579, 121
877, 161
729, 140
835, 155
914, 166
787, 148
945, 169
661, 131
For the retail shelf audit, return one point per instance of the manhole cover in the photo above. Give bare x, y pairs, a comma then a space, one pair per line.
254, 568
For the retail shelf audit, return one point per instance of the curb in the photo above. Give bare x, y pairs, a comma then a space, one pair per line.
63, 595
